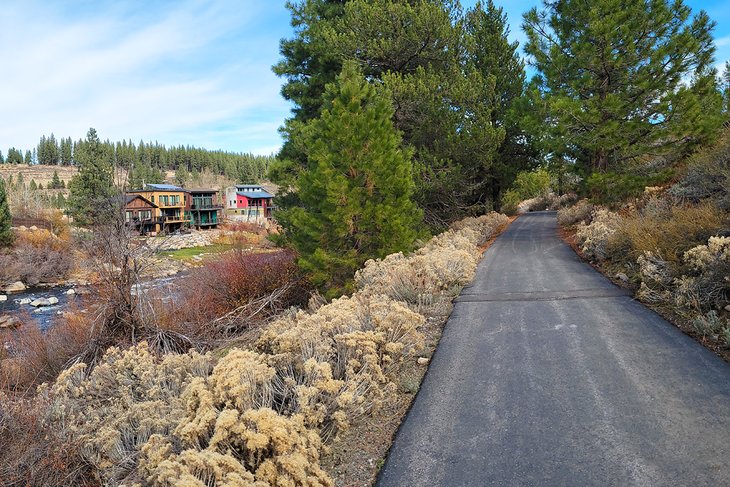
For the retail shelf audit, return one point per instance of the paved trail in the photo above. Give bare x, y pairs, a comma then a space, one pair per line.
548, 374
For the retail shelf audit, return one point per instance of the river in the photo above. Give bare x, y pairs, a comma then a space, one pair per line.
46, 315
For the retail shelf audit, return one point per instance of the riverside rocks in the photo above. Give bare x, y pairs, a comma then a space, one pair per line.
15, 287
189, 240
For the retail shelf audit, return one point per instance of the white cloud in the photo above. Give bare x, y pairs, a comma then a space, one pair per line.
150, 75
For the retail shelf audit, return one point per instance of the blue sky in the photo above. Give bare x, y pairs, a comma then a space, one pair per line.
188, 72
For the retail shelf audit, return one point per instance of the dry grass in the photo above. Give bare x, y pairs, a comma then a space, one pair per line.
668, 233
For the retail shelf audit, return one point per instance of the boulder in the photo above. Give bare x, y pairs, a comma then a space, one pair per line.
40, 302
53, 300
15, 287
25, 301
622, 277
3, 298
71, 292
7, 321
422, 360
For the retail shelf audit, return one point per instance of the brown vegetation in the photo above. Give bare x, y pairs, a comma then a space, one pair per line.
261, 415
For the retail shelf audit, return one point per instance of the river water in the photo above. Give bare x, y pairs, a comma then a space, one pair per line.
45, 315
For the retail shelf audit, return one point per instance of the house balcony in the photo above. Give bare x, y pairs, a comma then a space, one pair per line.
174, 219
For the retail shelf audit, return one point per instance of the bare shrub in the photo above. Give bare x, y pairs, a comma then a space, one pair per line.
37, 257
236, 291
36, 452
577, 213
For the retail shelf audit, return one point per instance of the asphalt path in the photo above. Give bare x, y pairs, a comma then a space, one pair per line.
548, 374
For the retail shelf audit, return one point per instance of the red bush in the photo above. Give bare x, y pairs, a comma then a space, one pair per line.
235, 280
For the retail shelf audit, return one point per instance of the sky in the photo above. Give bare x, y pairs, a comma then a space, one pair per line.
182, 72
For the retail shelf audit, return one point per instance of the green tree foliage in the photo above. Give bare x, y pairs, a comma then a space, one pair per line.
444, 101
66, 152
49, 153
492, 54
614, 77
2, 158
14, 156
182, 176
6, 234
93, 186
32, 186
356, 190
725, 88
28, 157
56, 182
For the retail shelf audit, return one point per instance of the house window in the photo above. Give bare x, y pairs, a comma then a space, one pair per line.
128, 216
152, 198
145, 215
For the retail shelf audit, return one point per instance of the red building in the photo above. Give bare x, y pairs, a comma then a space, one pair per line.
249, 200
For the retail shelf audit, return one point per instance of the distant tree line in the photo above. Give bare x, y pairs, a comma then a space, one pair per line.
146, 161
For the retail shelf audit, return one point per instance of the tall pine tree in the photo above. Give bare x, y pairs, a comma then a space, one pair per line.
6, 234
93, 186
356, 189
614, 74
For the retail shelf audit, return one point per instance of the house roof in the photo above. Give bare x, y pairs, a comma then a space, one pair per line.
128, 198
198, 190
164, 187
255, 194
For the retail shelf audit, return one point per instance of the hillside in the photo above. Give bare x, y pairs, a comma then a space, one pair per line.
39, 173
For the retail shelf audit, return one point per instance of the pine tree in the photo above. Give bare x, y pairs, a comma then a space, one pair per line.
356, 191
2, 159
93, 186
28, 157
32, 186
492, 54
55, 181
6, 234
181, 176
614, 77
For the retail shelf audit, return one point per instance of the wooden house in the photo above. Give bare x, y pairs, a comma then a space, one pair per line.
250, 201
204, 208
171, 203
140, 213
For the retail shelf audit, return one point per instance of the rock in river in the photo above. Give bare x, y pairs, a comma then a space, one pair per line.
41, 302
15, 287
3, 298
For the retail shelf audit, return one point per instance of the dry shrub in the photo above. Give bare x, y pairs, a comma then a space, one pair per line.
705, 283
577, 213
248, 227
593, 237
37, 452
37, 256
115, 409
666, 230
436, 271
258, 284
333, 365
549, 201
